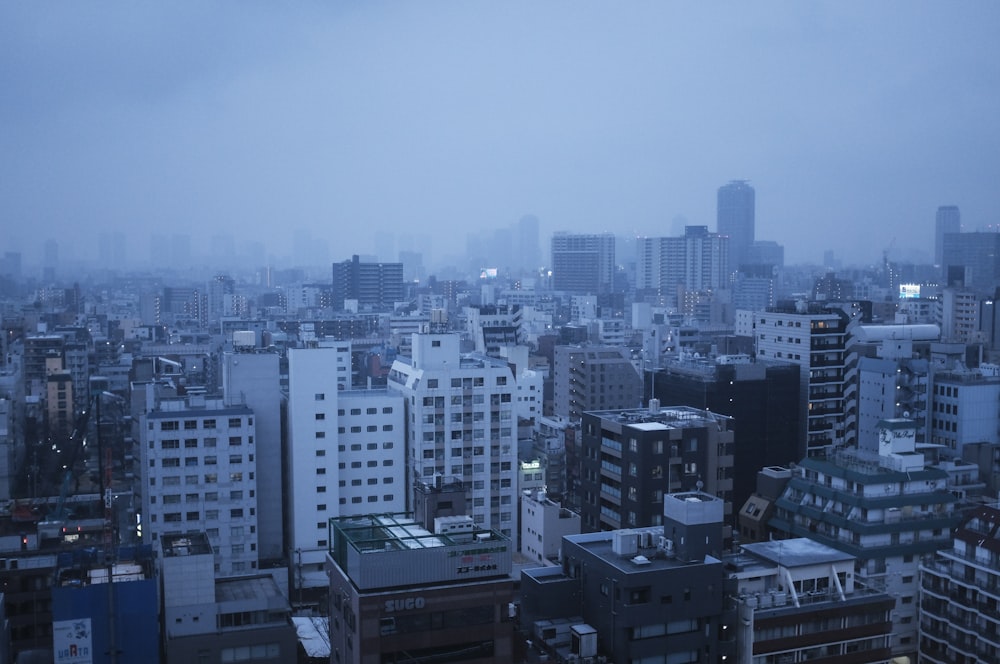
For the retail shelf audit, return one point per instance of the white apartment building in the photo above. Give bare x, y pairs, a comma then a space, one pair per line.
543, 525
345, 456
199, 474
462, 424
820, 339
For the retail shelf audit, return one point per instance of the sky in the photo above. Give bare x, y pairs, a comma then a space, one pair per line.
853, 121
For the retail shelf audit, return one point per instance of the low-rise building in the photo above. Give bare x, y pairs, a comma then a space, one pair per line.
399, 592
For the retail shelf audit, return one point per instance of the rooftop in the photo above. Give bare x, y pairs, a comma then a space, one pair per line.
656, 418
796, 552
188, 544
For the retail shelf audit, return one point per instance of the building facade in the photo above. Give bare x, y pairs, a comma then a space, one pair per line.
199, 473
735, 218
401, 593
632, 459
592, 377
960, 594
583, 264
462, 425
819, 338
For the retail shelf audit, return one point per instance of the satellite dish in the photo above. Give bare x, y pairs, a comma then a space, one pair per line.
906, 413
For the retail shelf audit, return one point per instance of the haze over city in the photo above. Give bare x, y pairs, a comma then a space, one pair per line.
853, 122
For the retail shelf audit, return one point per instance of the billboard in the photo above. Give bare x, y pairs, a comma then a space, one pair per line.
72, 641
909, 290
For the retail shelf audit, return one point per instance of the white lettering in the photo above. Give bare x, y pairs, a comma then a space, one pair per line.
405, 604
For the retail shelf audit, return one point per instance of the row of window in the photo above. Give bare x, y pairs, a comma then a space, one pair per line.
210, 515
189, 425
209, 478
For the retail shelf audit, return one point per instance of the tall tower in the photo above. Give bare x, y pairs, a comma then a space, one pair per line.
735, 218
948, 220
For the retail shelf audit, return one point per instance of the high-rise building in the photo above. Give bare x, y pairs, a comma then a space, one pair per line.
371, 284
972, 260
698, 260
583, 264
254, 379
594, 377
735, 218
819, 338
529, 255
760, 396
462, 425
345, 454
198, 459
633, 458
947, 220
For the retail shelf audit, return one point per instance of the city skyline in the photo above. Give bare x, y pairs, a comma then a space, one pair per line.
853, 123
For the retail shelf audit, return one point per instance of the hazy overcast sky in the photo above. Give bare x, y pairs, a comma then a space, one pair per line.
853, 120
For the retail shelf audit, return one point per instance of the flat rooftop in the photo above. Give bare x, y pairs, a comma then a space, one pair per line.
797, 552
397, 532
644, 560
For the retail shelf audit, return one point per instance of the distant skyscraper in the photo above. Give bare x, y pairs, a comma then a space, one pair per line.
972, 260
698, 260
735, 218
949, 220
51, 259
583, 264
528, 253
372, 284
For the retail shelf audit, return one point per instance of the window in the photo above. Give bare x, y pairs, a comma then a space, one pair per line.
320, 416
210, 461
172, 444
236, 513
169, 463
432, 383
209, 442
235, 440
169, 426
208, 424
319, 396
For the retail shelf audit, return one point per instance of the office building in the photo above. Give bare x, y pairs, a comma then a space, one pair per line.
635, 595
960, 594
593, 377
819, 338
528, 257
633, 458
199, 473
761, 396
346, 455
401, 593
583, 264
886, 509
963, 406
735, 213
956, 312
947, 220
972, 260
373, 285
462, 425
